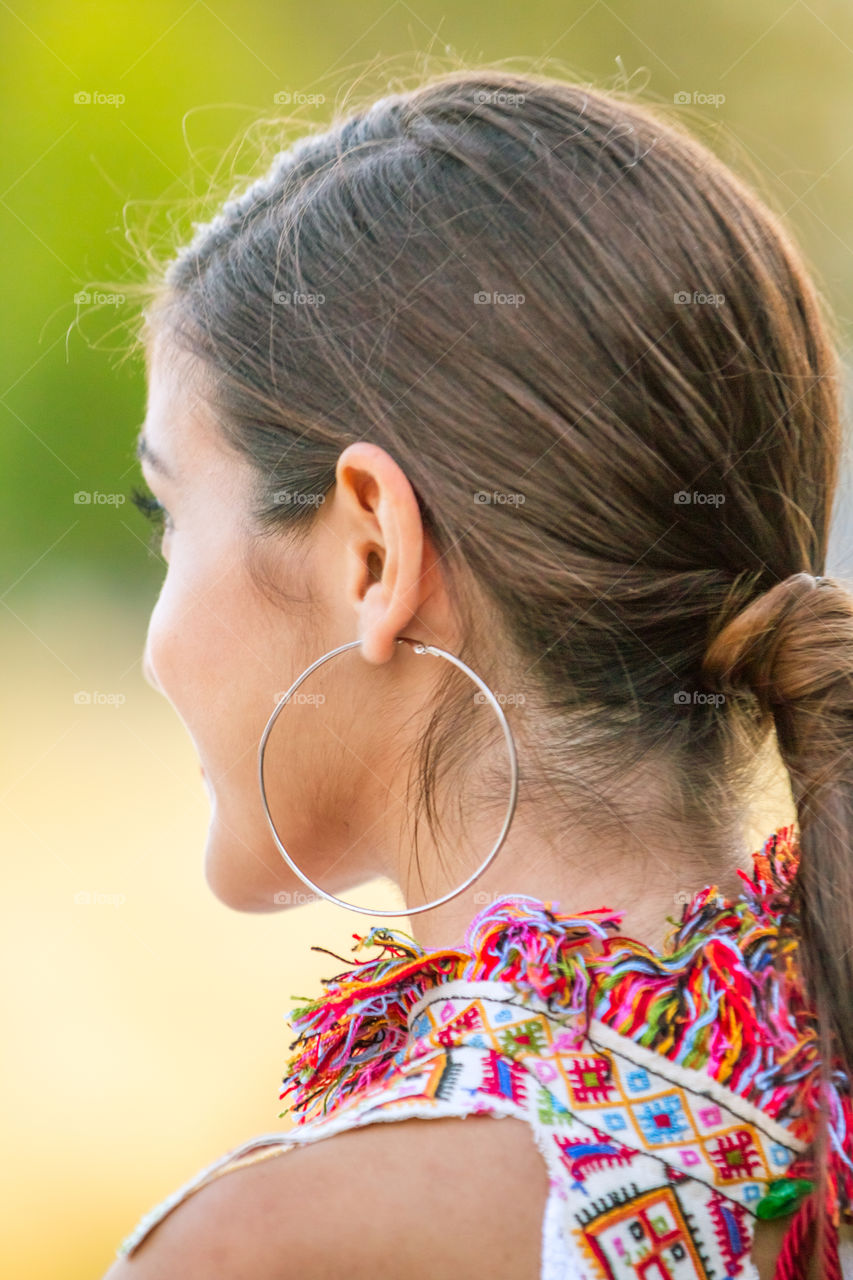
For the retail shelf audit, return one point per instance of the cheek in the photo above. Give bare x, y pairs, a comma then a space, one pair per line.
205, 649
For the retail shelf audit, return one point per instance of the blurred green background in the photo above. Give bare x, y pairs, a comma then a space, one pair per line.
144, 1036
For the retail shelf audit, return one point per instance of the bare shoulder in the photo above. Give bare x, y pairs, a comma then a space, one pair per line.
450, 1195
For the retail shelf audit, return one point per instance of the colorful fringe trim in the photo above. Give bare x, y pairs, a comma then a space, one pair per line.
724, 996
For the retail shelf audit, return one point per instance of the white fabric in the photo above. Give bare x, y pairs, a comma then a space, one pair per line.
466, 1074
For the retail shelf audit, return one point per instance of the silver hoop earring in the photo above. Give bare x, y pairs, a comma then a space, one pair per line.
418, 647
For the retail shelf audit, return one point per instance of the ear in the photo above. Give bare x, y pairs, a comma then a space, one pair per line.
391, 566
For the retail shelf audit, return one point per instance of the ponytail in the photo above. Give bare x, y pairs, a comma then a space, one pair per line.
792, 647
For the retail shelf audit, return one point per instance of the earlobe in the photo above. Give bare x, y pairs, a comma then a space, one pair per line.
376, 636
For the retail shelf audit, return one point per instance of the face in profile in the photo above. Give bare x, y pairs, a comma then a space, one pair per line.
239, 618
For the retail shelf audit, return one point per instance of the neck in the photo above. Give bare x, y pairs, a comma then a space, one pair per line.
647, 879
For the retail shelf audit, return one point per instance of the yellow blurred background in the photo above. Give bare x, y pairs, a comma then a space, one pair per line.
143, 1021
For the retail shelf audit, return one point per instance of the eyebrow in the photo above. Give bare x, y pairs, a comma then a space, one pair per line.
144, 452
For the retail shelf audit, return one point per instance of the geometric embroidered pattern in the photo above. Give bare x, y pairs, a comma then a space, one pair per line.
654, 1174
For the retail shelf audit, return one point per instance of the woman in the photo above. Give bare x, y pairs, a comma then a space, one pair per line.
512, 411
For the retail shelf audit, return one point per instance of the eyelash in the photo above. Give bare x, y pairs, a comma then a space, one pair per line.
153, 511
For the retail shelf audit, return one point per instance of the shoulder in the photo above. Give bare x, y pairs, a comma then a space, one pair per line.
356, 1200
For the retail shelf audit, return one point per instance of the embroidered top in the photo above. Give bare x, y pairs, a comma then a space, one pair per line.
672, 1094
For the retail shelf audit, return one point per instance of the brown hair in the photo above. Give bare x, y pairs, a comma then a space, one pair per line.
600, 361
